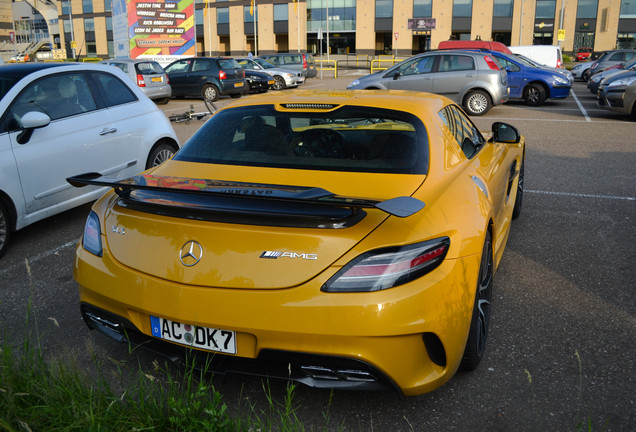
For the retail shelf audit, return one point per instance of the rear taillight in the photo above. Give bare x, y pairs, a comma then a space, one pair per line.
222, 75
140, 80
243, 70
304, 62
559, 64
491, 63
388, 268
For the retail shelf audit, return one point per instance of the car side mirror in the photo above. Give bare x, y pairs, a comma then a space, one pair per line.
505, 133
31, 121
508, 69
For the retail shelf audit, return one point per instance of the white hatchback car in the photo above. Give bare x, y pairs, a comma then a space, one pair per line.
62, 119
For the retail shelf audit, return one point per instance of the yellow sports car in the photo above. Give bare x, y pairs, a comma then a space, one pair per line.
343, 239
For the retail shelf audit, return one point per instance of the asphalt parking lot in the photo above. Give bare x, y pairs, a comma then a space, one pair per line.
562, 347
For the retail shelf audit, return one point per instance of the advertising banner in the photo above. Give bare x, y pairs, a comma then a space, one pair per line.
162, 30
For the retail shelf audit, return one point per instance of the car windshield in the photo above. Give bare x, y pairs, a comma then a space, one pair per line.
264, 63
350, 138
6, 82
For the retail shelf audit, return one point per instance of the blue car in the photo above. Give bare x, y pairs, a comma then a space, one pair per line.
531, 83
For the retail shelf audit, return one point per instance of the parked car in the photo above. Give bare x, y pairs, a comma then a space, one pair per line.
531, 83
338, 239
610, 58
61, 119
471, 78
257, 82
582, 71
302, 62
285, 78
618, 93
148, 75
547, 55
474, 44
566, 73
596, 79
583, 53
206, 77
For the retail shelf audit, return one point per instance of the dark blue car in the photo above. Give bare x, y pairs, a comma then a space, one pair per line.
531, 83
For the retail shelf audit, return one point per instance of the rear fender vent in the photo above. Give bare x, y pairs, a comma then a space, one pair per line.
435, 349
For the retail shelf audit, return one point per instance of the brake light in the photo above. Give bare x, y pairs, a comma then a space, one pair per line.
304, 62
559, 64
491, 63
222, 75
140, 80
388, 268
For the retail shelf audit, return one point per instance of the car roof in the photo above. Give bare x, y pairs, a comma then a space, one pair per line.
23, 69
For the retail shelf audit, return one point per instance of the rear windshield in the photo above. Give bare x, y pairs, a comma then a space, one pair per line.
351, 138
149, 68
229, 64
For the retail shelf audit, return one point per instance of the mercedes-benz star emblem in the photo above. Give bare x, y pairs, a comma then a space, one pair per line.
190, 253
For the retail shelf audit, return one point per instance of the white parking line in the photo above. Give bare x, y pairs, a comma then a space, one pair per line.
41, 256
576, 195
587, 118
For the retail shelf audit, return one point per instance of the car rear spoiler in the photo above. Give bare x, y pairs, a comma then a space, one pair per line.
403, 206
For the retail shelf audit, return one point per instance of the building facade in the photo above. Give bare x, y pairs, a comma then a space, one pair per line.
364, 27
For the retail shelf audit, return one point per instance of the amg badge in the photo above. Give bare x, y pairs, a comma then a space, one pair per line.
279, 254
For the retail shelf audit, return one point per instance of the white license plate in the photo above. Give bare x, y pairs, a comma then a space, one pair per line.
209, 339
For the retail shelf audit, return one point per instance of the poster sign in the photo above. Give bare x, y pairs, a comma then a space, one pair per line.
162, 30
422, 23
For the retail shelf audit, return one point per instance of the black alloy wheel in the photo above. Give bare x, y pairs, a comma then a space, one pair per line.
478, 334
534, 95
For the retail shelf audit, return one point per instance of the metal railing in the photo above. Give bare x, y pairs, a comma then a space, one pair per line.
379, 63
320, 65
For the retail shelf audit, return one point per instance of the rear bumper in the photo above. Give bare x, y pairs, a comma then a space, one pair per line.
409, 338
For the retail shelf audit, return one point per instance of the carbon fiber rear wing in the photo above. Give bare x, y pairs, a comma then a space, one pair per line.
403, 206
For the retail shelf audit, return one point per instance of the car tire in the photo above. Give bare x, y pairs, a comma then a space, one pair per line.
5, 228
162, 101
279, 83
516, 210
534, 95
479, 323
477, 103
159, 154
210, 92
586, 75
235, 95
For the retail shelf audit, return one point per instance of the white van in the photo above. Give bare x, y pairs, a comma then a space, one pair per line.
549, 55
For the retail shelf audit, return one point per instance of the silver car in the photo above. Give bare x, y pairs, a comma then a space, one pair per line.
148, 75
473, 79
284, 77
611, 58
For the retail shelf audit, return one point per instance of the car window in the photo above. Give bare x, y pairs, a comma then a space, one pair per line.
228, 64
465, 132
201, 65
358, 139
247, 64
115, 91
6, 83
504, 62
450, 63
181, 66
149, 68
122, 66
417, 66
57, 96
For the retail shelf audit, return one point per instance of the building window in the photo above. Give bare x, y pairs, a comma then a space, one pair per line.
66, 7
383, 9
281, 12
462, 8
545, 9
342, 15
109, 23
628, 9
587, 9
223, 15
108, 6
422, 8
250, 17
87, 6
89, 24
503, 8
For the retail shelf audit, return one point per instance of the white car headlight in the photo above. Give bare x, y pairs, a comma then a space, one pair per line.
560, 79
621, 83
